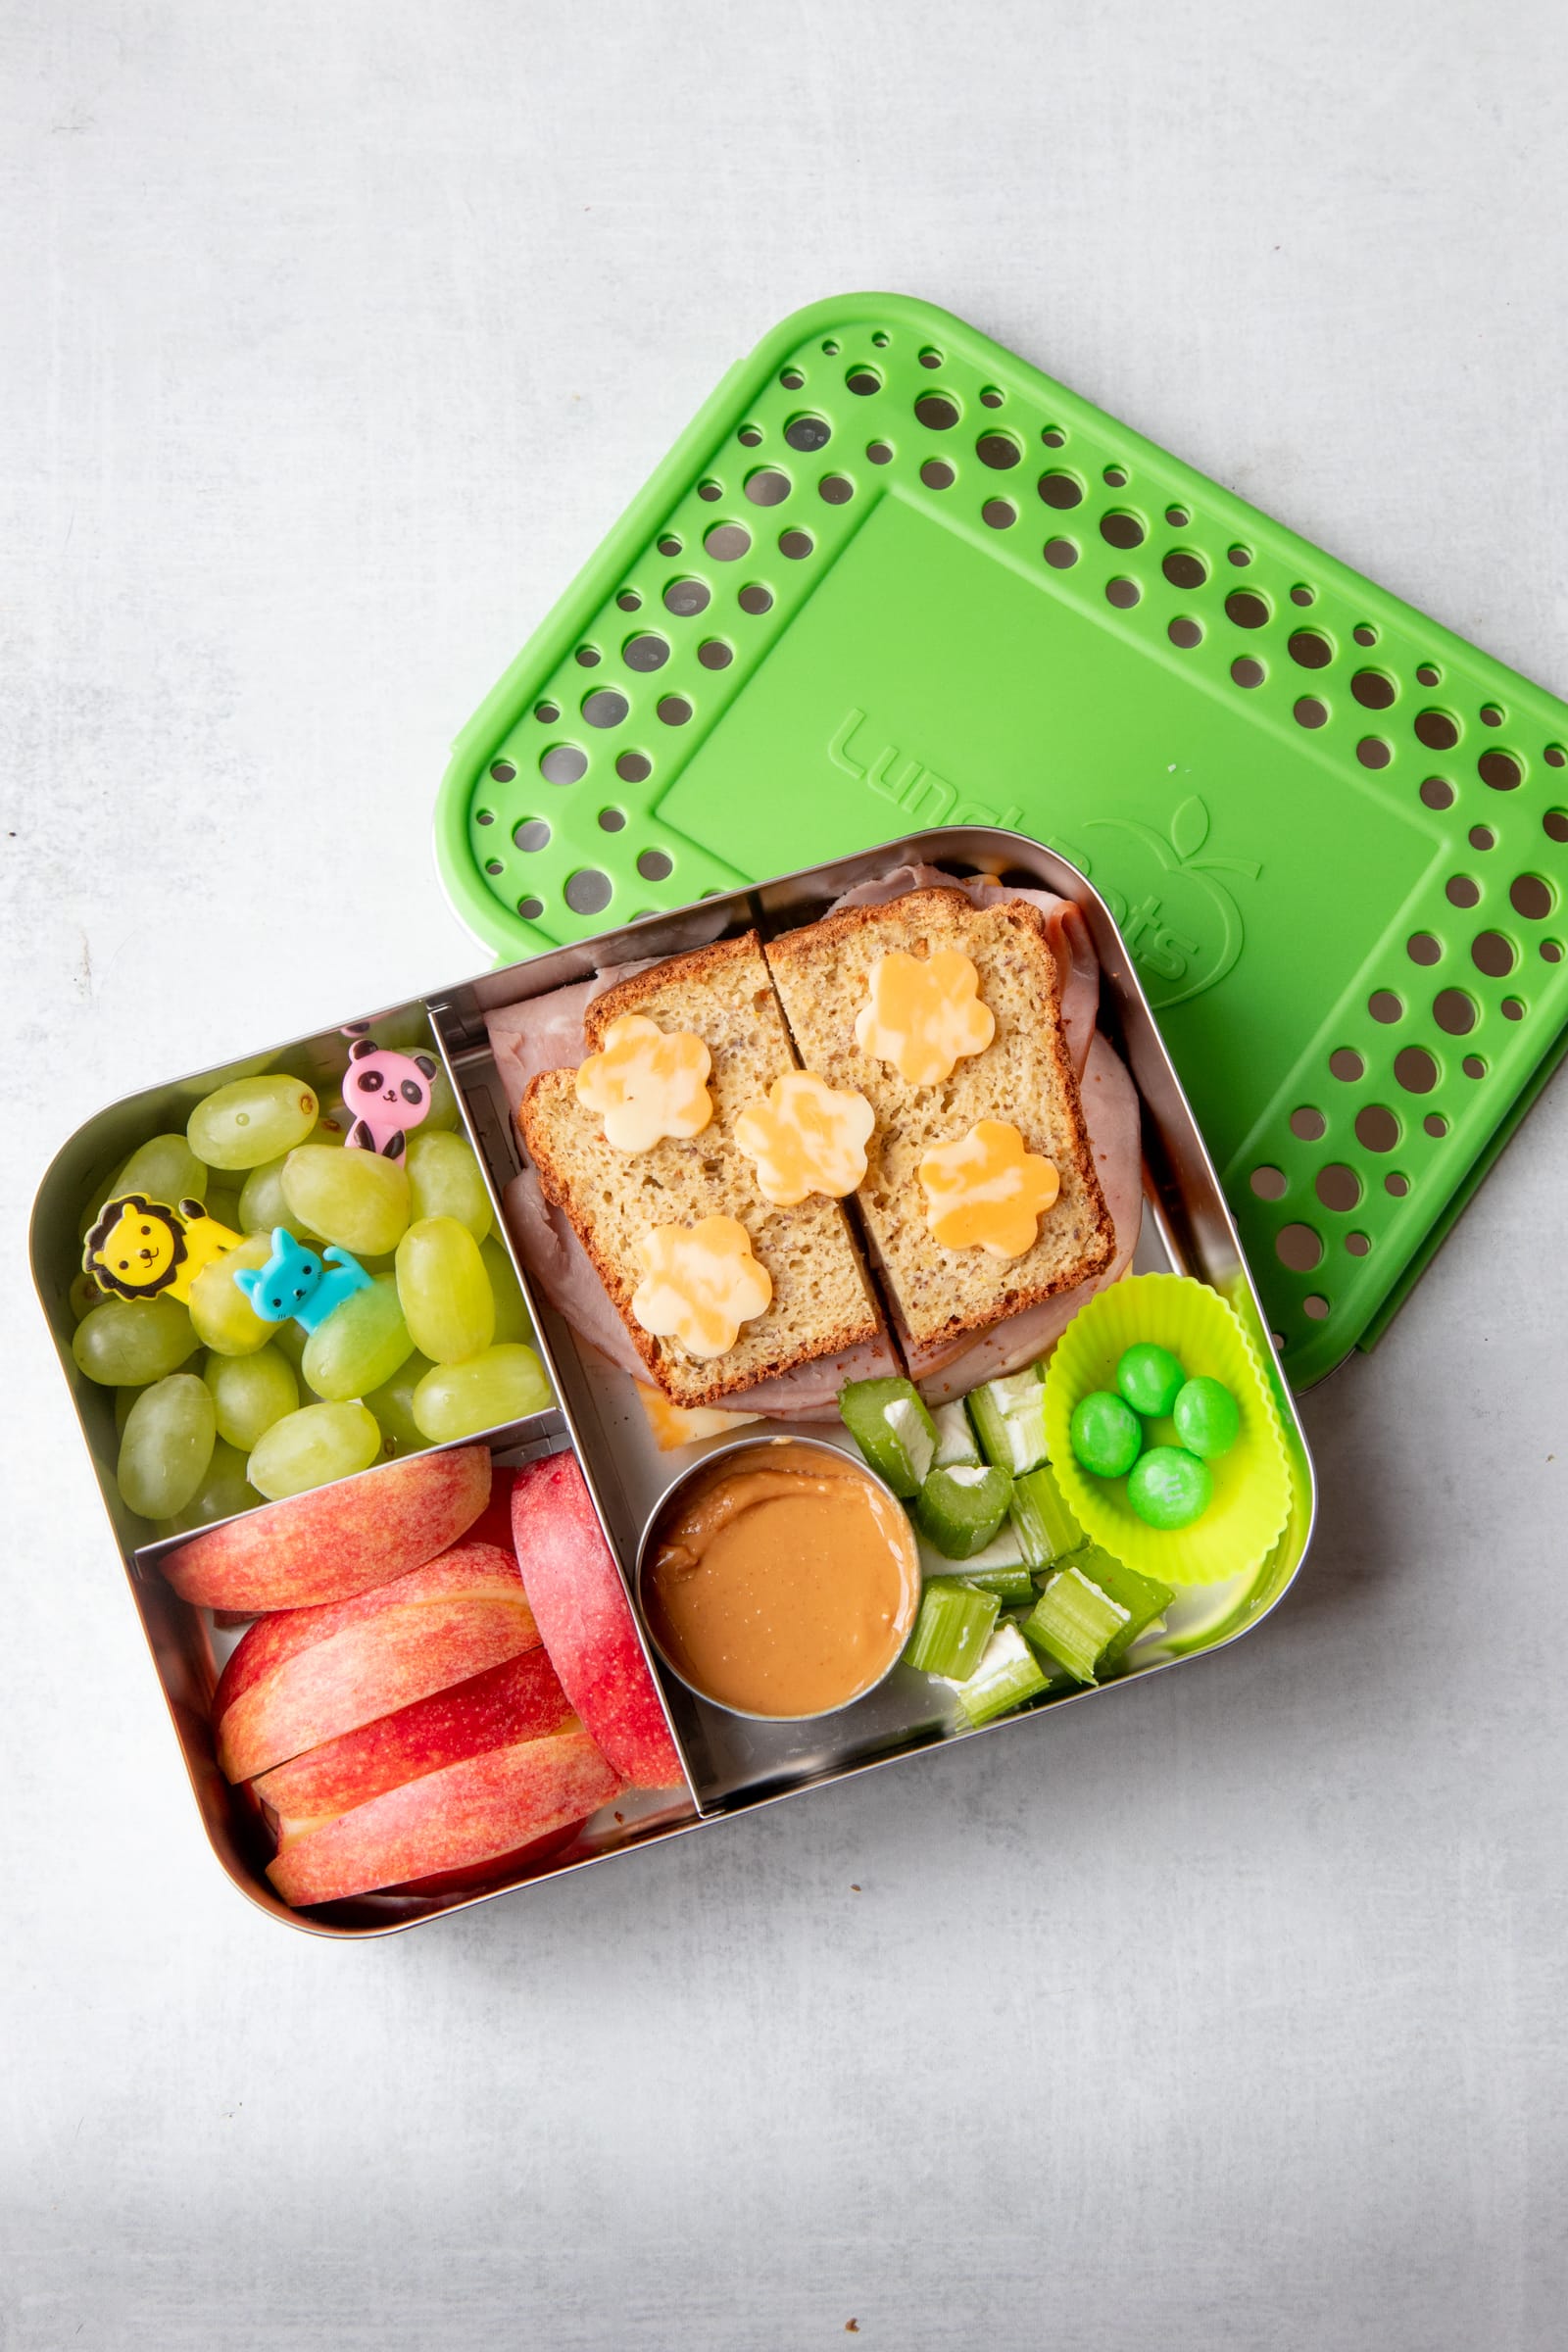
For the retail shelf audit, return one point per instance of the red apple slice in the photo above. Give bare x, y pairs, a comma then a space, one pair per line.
449, 1819
494, 1523
520, 1699
526, 1856
586, 1622
338, 1541
309, 1674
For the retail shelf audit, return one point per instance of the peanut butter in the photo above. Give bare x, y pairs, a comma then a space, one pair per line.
785, 1583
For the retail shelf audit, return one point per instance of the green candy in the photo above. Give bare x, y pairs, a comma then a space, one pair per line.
1170, 1488
1150, 1378
1107, 1435
1207, 1418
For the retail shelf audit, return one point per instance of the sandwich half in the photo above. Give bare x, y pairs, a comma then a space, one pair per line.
821, 1302
1023, 1077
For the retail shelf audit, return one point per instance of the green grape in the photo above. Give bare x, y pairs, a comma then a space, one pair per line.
262, 1208
224, 1491
308, 1449
222, 1206
125, 1399
355, 1199
167, 1446
393, 1405
361, 1344
252, 1120
164, 1168
208, 1082
458, 1400
223, 1317
291, 1340
444, 1181
251, 1393
129, 1342
84, 1295
445, 1291
512, 1315
333, 1127
442, 1114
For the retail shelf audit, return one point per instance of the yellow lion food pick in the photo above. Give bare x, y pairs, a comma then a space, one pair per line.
139, 1248
702, 1284
924, 1016
646, 1084
804, 1137
986, 1192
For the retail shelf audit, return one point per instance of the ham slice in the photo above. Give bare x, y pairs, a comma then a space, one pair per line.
546, 1033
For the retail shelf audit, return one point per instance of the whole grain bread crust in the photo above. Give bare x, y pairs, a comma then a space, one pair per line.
696, 967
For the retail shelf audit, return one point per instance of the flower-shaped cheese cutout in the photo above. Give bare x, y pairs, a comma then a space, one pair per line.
986, 1192
924, 1016
702, 1284
805, 1137
647, 1085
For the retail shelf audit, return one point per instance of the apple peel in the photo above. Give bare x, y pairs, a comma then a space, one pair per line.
519, 1699
337, 1540
470, 1812
586, 1624
309, 1674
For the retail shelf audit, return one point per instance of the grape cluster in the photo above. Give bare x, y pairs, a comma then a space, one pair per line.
216, 1408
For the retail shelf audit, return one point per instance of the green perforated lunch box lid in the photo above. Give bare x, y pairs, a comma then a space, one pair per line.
892, 576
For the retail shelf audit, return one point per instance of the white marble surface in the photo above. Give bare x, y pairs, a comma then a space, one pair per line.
1225, 2013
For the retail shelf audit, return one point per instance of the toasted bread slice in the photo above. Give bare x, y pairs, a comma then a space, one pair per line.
822, 1303
1024, 1076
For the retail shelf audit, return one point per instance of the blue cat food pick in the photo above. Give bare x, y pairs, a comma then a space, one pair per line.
296, 1282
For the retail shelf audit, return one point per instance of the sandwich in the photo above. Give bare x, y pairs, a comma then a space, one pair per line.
637, 1146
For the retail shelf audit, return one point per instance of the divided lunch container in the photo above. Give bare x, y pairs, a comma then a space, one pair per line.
732, 1763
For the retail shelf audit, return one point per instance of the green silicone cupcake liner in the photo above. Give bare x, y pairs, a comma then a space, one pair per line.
1251, 1499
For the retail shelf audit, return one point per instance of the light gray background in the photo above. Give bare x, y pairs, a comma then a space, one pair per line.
1225, 2013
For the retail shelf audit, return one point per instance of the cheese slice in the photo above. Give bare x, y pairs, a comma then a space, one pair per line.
924, 1014
701, 1285
984, 1192
677, 1425
647, 1083
806, 1136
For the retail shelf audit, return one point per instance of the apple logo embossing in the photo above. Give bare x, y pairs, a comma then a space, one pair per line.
1182, 926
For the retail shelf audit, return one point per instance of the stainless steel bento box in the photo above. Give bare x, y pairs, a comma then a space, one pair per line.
733, 1763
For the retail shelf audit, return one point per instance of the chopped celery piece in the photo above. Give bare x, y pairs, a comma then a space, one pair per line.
1009, 1419
960, 1509
955, 1436
1009, 1585
1074, 1622
1044, 1519
951, 1630
890, 1425
1008, 1674
1092, 1610
1003, 1551
1145, 1600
